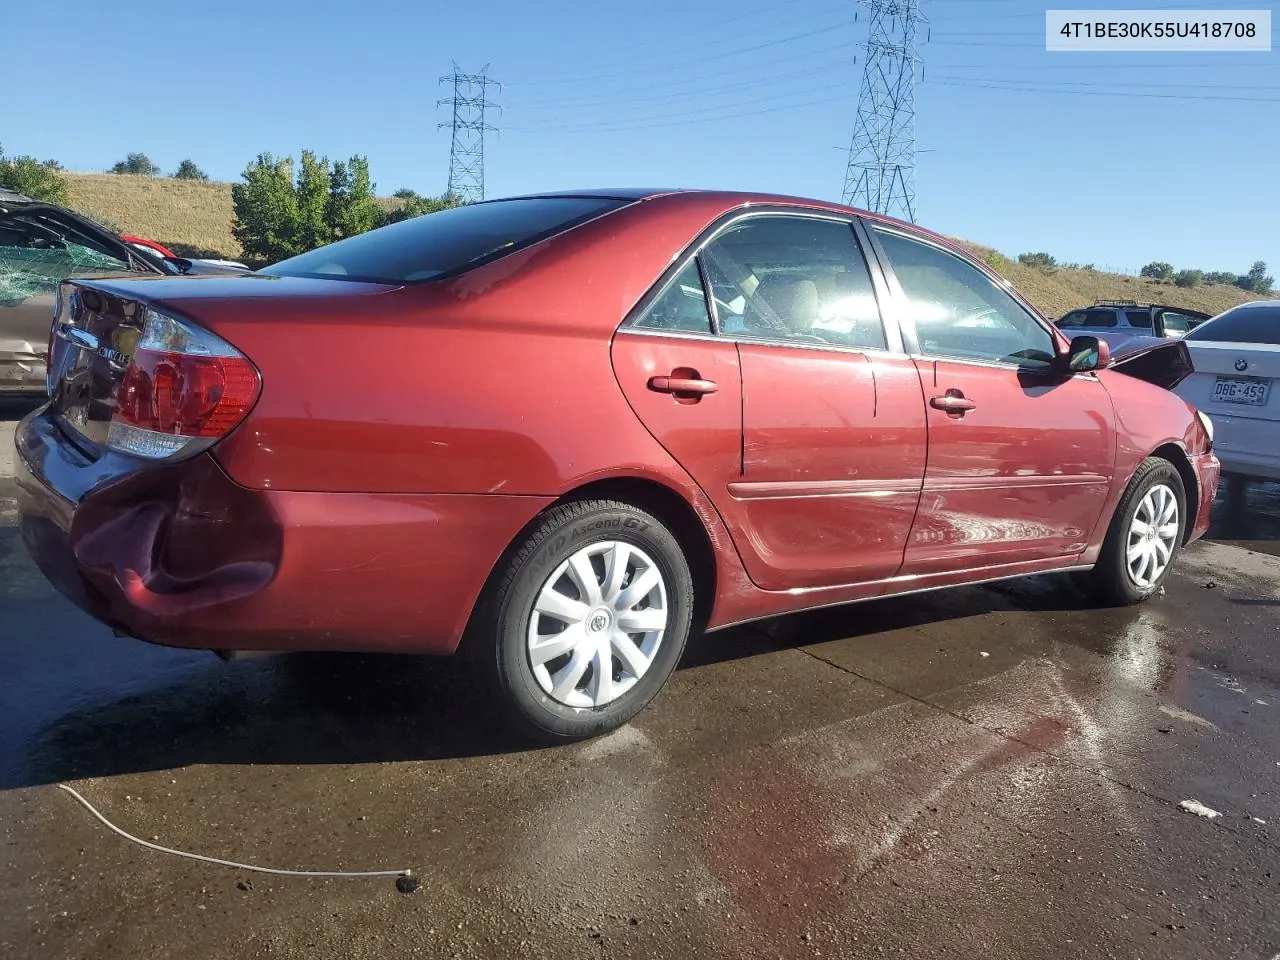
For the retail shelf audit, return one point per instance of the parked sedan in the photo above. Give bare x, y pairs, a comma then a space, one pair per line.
597, 423
1237, 362
42, 244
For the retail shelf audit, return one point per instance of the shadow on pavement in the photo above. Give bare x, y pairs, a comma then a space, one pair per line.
1247, 514
357, 709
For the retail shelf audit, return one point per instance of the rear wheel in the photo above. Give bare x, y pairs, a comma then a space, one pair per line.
1144, 538
584, 621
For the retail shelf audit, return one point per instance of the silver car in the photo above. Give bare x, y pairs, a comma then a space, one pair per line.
40, 245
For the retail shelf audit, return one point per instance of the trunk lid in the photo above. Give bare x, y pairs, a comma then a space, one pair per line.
1235, 379
99, 321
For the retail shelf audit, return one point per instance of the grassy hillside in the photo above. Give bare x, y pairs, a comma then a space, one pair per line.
194, 217
1055, 290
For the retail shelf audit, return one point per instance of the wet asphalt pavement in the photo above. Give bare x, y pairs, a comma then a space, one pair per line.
982, 773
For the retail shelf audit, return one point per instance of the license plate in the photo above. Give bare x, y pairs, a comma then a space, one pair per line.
1250, 390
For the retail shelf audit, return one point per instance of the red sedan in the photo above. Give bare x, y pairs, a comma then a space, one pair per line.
591, 424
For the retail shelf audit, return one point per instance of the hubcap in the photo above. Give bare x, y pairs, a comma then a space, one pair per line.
1152, 536
597, 623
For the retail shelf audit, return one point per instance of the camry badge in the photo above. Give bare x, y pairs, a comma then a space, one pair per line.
1242, 365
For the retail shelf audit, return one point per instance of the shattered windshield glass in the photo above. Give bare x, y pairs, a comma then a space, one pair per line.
29, 271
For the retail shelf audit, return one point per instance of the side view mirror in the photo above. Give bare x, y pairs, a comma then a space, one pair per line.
1087, 353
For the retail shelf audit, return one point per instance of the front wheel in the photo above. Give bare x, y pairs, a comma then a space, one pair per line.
1144, 538
584, 621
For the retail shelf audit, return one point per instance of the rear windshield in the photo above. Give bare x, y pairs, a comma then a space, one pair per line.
1246, 323
447, 242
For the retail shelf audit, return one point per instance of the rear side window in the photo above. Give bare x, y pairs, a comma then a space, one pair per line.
794, 279
682, 306
1087, 318
1138, 318
444, 243
1243, 324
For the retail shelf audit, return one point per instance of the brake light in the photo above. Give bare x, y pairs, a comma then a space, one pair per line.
184, 389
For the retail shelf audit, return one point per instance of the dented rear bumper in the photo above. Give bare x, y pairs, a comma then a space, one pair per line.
181, 555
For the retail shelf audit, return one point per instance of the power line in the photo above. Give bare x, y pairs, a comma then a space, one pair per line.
880, 172
700, 111
702, 94
685, 81
467, 123
624, 128
1105, 93
645, 71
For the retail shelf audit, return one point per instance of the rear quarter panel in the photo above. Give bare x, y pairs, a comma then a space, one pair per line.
498, 381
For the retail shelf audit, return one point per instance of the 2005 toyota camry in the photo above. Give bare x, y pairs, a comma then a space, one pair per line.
590, 424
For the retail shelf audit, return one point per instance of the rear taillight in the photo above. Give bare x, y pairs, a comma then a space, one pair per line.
184, 389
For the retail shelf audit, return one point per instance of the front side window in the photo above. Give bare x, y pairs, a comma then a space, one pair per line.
1175, 324
681, 306
959, 312
794, 279
446, 242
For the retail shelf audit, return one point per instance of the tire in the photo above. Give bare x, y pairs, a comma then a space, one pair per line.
1114, 580
529, 664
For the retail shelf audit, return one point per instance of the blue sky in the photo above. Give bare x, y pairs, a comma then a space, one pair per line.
1115, 159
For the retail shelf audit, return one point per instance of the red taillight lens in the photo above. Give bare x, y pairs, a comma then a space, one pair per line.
184, 395
184, 389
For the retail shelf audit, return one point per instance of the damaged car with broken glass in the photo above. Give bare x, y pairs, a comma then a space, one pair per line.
42, 244
601, 422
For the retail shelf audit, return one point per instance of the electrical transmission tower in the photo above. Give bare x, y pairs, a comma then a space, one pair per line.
466, 152
881, 173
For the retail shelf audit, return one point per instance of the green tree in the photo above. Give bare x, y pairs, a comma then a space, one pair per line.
1256, 280
1157, 271
1220, 276
33, 178
1037, 260
187, 170
416, 205
138, 164
313, 230
352, 206
1189, 278
266, 210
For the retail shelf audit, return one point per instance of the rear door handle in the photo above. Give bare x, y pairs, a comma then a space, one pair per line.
953, 402
687, 385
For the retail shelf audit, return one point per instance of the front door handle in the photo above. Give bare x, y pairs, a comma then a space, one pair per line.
953, 402
691, 386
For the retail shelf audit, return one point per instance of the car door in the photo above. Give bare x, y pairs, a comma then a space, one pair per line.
685, 384
833, 427
788, 408
1020, 455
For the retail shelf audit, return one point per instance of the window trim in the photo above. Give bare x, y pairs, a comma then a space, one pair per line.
894, 343
911, 340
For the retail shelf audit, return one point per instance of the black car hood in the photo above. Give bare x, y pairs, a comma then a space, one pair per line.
1158, 360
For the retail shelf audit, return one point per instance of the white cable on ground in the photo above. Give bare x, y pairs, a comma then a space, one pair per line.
228, 863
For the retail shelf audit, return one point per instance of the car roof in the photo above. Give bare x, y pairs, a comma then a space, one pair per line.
733, 199
8, 196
